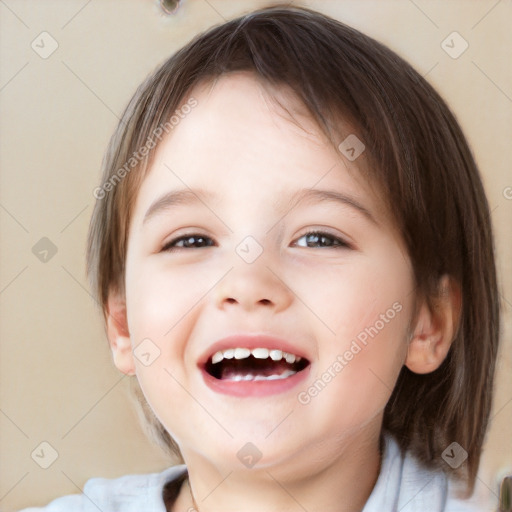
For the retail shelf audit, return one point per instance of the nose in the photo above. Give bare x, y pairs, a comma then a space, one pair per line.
252, 287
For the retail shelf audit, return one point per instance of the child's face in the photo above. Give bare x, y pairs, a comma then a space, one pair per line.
241, 163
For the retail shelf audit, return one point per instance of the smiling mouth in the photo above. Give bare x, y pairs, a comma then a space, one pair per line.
258, 364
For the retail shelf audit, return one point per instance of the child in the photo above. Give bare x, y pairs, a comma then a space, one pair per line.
293, 251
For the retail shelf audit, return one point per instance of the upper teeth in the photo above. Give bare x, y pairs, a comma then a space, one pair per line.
258, 353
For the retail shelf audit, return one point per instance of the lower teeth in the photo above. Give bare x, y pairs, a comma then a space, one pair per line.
284, 375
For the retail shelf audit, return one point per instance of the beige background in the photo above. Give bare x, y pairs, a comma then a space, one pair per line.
58, 384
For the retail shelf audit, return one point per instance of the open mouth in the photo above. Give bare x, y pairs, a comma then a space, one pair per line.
257, 364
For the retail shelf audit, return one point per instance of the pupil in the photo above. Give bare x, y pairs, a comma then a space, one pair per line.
196, 241
316, 239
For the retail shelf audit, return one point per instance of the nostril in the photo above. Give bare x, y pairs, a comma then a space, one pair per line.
263, 302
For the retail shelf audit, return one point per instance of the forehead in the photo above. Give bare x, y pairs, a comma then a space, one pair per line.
238, 109
243, 132
276, 106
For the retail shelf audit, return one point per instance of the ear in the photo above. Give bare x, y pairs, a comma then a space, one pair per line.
118, 334
435, 328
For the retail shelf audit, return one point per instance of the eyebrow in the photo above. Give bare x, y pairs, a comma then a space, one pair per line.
310, 195
313, 195
175, 198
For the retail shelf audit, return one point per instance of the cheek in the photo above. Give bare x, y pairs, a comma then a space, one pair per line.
358, 297
160, 298
357, 372
162, 305
368, 305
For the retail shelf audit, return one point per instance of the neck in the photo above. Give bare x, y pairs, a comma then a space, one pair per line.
342, 484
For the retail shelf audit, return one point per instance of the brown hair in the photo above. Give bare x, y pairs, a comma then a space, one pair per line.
416, 153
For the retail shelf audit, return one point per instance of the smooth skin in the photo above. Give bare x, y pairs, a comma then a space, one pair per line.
246, 158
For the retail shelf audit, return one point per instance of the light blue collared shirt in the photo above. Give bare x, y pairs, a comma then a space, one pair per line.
403, 485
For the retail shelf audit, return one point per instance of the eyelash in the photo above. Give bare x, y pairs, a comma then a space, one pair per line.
338, 242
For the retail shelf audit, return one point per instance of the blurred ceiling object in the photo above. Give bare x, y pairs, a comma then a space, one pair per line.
170, 6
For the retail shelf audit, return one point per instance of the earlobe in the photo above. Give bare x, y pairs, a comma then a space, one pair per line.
118, 334
435, 329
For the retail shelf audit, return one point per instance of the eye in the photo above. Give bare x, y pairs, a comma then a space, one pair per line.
192, 241
320, 239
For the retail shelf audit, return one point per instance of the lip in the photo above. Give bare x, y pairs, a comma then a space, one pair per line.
253, 388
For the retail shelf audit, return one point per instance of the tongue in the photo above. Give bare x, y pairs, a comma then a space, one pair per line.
263, 368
